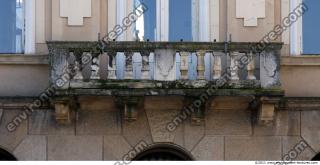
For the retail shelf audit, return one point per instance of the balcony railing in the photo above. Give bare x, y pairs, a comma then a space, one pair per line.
85, 65
248, 70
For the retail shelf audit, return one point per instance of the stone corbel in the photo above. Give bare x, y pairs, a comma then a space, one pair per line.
130, 107
266, 110
64, 110
195, 110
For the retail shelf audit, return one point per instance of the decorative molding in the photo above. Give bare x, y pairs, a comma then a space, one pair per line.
75, 11
250, 11
21, 59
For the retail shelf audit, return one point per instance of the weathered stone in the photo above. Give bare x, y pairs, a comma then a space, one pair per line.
230, 103
16, 121
75, 147
97, 103
295, 148
138, 130
98, 122
192, 134
165, 60
209, 148
42, 122
253, 148
158, 122
310, 128
115, 147
270, 69
285, 123
167, 102
32, 148
228, 122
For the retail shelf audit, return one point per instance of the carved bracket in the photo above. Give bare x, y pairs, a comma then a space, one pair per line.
266, 110
195, 107
64, 110
130, 107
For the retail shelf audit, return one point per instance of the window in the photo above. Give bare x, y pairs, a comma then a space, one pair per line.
180, 20
168, 20
310, 28
12, 26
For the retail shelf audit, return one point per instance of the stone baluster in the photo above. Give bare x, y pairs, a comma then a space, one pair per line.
128, 72
201, 66
251, 67
112, 66
217, 65
145, 70
86, 61
78, 65
234, 68
104, 64
184, 65
95, 67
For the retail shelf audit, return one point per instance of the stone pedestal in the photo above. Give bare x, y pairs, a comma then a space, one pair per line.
165, 61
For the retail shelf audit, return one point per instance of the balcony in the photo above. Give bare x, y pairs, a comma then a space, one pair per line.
161, 69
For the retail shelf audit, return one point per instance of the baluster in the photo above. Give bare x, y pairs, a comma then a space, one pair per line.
184, 65
251, 67
86, 60
217, 65
72, 69
201, 66
234, 66
95, 68
112, 66
78, 65
104, 64
145, 70
128, 73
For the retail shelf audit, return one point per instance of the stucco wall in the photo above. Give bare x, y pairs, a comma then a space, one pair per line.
23, 80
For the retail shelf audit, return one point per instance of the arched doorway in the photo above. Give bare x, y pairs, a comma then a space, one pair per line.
160, 152
6, 156
316, 158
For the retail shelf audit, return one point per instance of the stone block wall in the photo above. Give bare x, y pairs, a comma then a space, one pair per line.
100, 133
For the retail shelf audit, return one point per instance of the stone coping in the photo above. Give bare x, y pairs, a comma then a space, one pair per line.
23, 59
119, 46
303, 60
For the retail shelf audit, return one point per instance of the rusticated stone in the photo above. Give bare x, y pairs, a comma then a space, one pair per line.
98, 122
192, 134
228, 122
209, 148
253, 148
310, 124
75, 147
285, 123
42, 122
17, 120
295, 148
32, 148
115, 147
135, 131
160, 112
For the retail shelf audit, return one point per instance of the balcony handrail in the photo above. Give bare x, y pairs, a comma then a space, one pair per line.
137, 46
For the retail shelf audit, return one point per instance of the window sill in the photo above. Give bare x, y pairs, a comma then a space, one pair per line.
23, 59
305, 60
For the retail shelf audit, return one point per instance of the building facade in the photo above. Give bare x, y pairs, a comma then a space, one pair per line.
159, 80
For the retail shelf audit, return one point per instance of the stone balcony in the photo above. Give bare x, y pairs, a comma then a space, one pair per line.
161, 69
